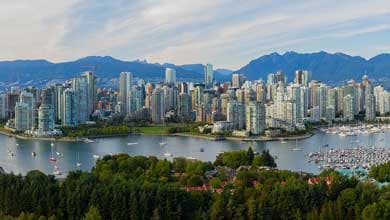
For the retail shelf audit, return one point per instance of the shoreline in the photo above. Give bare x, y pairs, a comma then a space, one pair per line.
245, 139
204, 137
58, 139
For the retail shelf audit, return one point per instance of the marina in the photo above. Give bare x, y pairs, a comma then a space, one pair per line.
350, 158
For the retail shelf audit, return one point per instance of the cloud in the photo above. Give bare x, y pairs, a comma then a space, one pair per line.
227, 33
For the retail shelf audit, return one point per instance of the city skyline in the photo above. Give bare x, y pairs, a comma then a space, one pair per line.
204, 33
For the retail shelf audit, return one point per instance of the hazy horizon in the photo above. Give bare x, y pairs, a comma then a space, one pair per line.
221, 32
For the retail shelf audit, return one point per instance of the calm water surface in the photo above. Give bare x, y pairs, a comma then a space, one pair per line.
22, 161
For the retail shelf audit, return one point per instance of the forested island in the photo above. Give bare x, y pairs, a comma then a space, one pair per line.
238, 185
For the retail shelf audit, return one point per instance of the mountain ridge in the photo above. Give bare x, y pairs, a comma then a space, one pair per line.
325, 66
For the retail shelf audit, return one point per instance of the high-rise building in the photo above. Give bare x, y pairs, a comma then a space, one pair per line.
80, 88
69, 108
22, 116
59, 92
261, 92
170, 76
370, 107
157, 106
315, 114
237, 80
28, 98
255, 117
184, 106
332, 99
3, 106
348, 108
125, 85
302, 77
321, 99
91, 85
330, 113
12, 99
236, 114
45, 118
197, 96
208, 75
170, 97
136, 99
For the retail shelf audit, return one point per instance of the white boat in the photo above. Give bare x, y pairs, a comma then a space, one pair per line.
17, 144
283, 142
56, 171
162, 144
78, 164
52, 144
87, 140
96, 156
297, 149
131, 144
168, 154
58, 153
190, 158
33, 154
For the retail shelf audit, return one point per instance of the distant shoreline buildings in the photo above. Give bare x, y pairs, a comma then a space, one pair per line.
239, 106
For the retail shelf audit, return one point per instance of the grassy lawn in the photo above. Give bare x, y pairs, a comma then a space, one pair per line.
157, 129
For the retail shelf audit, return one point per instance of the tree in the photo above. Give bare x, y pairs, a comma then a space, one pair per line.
250, 155
93, 214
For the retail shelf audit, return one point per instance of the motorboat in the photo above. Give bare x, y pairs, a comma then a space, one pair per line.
88, 141
53, 159
57, 171
168, 154
33, 154
131, 144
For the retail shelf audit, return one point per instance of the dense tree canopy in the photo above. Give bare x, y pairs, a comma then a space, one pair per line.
125, 187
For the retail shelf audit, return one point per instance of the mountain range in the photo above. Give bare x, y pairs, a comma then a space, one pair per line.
327, 67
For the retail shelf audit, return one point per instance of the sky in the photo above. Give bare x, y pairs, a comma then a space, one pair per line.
226, 33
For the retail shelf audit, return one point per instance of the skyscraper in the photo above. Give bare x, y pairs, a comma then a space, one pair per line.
348, 108
237, 80
45, 119
170, 76
69, 108
3, 106
370, 107
255, 117
157, 106
80, 88
91, 85
208, 75
236, 114
184, 106
29, 99
125, 84
22, 116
